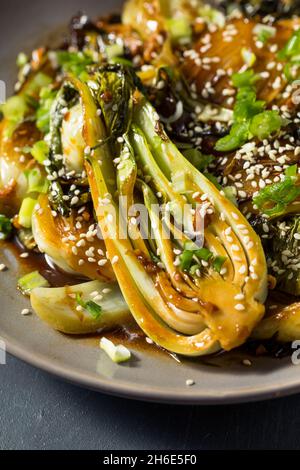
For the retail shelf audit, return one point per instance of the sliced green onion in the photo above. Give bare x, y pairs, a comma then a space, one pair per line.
37, 183
180, 29
273, 200
291, 170
40, 151
264, 32
230, 193
121, 60
40, 81
114, 50
186, 259
15, 109
246, 108
26, 211
292, 47
237, 137
94, 309
75, 62
218, 263
47, 97
117, 354
31, 281
265, 124
22, 59
248, 56
204, 254
5, 227
212, 15
245, 79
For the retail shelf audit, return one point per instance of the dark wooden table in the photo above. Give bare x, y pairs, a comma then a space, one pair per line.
37, 411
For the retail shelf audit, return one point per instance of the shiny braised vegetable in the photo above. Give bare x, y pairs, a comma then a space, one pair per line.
188, 112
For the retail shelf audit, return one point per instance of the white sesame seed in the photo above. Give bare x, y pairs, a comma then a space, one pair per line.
239, 307
25, 312
115, 260
106, 291
3, 267
102, 262
247, 363
239, 297
190, 383
242, 269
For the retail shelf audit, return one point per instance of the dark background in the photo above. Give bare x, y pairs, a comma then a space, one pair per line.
37, 411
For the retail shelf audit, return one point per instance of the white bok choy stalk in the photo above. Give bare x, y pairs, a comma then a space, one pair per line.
188, 299
73, 310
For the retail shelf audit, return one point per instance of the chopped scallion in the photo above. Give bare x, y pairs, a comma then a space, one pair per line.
26, 211
31, 281
218, 263
94, 309
5, 227
117, 354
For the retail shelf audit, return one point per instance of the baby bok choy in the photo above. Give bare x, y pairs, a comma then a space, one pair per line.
80, 309
192, 290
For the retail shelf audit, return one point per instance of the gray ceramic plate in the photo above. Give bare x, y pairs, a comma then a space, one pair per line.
152, 375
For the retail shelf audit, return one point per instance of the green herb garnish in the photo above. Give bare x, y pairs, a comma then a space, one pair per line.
40, 151
47, 97
218, 263
94, 309
5, 227
265, 124
273, 200
31, 281
250, 118
74, 62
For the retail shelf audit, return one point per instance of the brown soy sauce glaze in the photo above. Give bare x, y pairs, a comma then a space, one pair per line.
132, 336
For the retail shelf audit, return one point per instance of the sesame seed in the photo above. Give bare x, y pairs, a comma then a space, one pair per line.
25, 312
24, 255
149, 340
247, 363
115, 260
106, 291
102, 262
239, 297
242, 269
190, 383
239, 307
3, 267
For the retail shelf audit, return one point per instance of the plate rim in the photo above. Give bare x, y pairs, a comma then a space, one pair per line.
122, 389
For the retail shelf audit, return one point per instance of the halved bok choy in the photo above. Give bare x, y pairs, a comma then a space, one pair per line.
189, 299
73, 310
